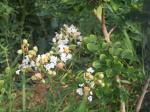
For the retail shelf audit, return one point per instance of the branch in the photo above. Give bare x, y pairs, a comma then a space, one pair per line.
122, 103
103, 26
122, 107
139, 103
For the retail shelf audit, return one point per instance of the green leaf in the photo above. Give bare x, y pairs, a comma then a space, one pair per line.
96, 64
108, 62
117, 44
92, 47
1, 84
90, 39
102, 57
127, 54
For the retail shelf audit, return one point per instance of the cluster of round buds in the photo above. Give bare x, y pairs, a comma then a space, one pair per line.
24, 47
91, 79
98, 78
85, 90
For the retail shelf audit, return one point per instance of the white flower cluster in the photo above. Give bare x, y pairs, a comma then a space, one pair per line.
62, 40
85, 90
91, 80
26, 63
89, 85
58, 55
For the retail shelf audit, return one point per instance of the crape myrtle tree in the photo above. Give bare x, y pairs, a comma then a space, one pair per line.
105, 72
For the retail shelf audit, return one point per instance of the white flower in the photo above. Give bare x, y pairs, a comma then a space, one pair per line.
26, 60
49, 66
90, 98
63, 42
69, 56
81, 85
91, 93
63, 57
58, 36
78, 43
18, 72
79, 91
38, 58
53, 59
32, 64
54, 40
80, 38
73, 29
90, 70
61, 48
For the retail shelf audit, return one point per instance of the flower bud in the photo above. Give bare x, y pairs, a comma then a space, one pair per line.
103, 84
33, 78
38, 75
44, 58
19, 51
30, 56
60, 65
51, 52
100, 75
35, 48
50, 72
88, 76
53, 73
86, 90
25, 41
32, 53
98, 82
43, 81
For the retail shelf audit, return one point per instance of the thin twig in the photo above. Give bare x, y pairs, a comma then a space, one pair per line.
122, 103
139, 103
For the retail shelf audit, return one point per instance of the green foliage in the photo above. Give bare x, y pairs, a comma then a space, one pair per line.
118, 66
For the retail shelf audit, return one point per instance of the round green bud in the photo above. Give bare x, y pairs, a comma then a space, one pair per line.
50, 72
103, 84
53, 73
98, 82
101, 75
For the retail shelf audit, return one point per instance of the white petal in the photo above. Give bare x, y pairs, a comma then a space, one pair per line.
90, 98
91, 93
18, 72
53, 59
54, 40
81, 85
79, 91
69, 56
91, 70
